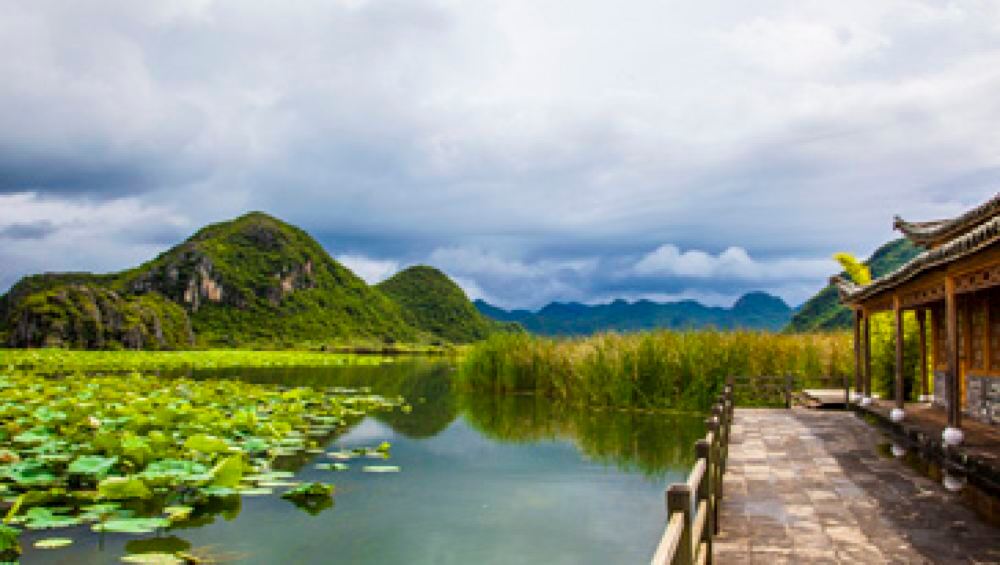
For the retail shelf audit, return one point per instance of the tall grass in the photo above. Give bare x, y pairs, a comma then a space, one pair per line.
659, 369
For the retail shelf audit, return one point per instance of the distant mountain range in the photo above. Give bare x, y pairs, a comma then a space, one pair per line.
253, 281
824, 311
755, 310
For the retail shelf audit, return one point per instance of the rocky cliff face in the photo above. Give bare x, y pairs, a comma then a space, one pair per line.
93, 317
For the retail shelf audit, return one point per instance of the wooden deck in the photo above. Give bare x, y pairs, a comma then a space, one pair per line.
807, 486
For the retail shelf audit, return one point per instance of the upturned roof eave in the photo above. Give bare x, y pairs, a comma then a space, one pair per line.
983, 236
933, 233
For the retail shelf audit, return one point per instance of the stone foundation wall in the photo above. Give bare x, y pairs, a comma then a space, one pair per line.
940, 389
983, 398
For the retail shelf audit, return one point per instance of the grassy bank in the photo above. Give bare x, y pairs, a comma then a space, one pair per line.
648, 370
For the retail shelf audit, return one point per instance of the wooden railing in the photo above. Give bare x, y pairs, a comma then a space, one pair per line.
693, 506
779, 390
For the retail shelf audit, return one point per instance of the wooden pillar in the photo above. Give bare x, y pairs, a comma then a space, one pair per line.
897, 309
867, 353
925, 386
987, 332
951, 328
858, 384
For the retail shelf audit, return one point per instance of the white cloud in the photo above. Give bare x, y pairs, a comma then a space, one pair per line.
371, 270
734, 263
82, 236
796, 47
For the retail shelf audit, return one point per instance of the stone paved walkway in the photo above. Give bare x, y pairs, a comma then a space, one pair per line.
806, 486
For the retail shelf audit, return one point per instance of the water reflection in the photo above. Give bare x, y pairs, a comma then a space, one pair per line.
652, 443
486, 479
984, 504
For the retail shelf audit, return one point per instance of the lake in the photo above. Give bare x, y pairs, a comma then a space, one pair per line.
484, 479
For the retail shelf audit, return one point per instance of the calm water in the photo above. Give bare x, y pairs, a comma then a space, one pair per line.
484, 480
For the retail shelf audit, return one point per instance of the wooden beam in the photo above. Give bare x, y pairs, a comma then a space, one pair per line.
951, 328
925, 387
900, 389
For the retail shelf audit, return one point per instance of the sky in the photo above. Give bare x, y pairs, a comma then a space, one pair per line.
536, 150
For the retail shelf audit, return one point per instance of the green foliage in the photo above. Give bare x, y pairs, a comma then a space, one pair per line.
149, 442
662, 369
123, 488
433, 303
755, 310
856, 270
10, 549
824, 312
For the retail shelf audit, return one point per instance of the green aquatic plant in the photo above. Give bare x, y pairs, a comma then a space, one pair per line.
61, 361
649, 370
10, 548
134, 453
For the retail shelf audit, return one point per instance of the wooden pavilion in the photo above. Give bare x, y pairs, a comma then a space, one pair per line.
954, 284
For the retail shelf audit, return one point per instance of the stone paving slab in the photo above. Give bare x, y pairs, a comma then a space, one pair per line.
806, 486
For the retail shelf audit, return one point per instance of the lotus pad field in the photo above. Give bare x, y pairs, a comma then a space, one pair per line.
135, 452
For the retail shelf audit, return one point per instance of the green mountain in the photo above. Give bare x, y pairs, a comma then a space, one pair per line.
252, 281
824, 311
435, 304
755, 310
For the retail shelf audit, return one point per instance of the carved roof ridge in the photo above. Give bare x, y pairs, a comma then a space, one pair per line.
936, 232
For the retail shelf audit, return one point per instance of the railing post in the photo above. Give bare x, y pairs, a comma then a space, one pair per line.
679, 500
788, 391
847, 391
703, 450
712, 425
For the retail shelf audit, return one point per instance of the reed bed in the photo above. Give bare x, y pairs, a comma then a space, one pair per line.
649, 370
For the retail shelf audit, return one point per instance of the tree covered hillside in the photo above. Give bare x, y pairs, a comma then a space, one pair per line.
253, 281
434, 303
824, 310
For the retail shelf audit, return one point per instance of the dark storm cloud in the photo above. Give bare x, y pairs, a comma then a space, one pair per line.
31, 230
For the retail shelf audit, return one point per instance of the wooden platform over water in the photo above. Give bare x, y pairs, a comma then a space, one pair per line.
809, 486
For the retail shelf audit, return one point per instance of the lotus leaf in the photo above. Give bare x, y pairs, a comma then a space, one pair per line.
136, 449
307, 490
52, 543
212, 491
122, 488
154, 558
40, 518
132, 525
228, 472
206, 444
255, 491
91, 465
380, 469
9, 546
30, 472
169, 471
178, 513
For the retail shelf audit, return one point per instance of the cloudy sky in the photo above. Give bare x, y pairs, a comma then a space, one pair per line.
535, 150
